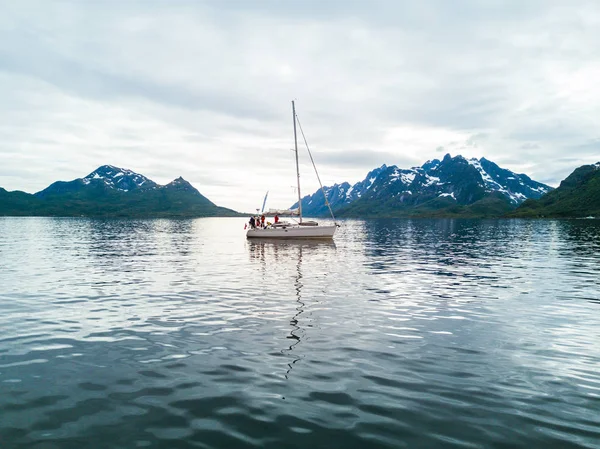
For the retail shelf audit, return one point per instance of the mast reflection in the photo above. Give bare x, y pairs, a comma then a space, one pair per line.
280, 255
296, 331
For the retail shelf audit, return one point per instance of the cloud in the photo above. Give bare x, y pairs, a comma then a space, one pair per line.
203, 89
529, 146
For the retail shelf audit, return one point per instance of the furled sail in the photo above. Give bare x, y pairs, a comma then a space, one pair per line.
265, 201
283, 212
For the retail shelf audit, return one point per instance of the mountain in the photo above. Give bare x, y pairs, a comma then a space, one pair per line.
577, 196
112, 192
17, 203
453, 186
106, 177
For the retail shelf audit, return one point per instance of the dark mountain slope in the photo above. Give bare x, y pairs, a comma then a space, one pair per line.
577, 196
17, 203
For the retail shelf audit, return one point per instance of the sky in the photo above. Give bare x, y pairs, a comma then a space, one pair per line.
203, 89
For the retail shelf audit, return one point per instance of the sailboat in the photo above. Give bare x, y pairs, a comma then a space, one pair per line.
301, 229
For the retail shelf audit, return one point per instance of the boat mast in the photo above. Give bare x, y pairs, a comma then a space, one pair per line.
297, 164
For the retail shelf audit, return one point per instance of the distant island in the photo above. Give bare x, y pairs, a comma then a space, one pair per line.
111, 191
452, 187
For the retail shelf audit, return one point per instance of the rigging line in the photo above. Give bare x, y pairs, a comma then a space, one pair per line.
315, 167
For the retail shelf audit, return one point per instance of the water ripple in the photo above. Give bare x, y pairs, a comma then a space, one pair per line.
402, 333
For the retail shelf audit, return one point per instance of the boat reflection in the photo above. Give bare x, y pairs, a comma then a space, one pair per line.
267, 251
287, 243
281, 255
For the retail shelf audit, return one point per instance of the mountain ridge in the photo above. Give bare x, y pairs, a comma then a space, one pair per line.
110, 191
452, 185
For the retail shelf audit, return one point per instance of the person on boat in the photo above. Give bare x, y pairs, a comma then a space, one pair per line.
252, 222
262, 221
276, 219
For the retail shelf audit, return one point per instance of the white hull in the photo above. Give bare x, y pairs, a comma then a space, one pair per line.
293, 232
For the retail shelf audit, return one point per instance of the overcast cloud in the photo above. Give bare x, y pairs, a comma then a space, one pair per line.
202, 89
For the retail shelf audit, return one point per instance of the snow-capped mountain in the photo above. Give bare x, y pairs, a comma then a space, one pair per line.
105, 178
119, 178
111, 191
438, 183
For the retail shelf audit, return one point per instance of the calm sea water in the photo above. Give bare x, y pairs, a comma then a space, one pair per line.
409, 333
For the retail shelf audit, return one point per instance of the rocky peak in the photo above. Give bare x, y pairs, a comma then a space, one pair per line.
431, 164
118, 178
181, 184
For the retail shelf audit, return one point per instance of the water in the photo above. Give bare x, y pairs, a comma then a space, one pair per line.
410, 333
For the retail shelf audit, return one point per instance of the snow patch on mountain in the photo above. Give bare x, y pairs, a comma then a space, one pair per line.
404, 176
540, 189
489, 182
450, 195
349, 192
431, 180
408, 178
